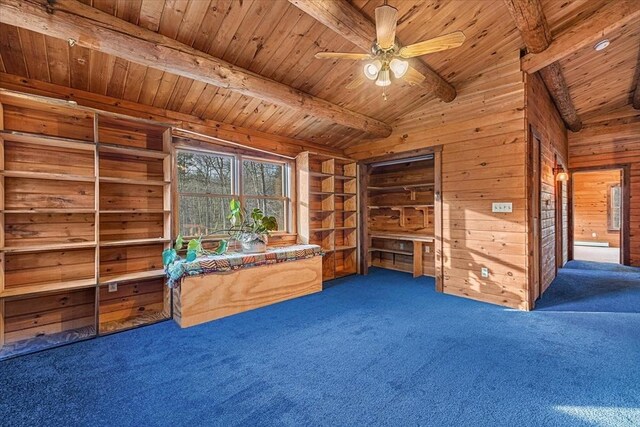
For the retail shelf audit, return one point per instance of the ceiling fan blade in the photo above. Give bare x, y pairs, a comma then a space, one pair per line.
343, 55
413, 76
448, 41
386, 21
355, 83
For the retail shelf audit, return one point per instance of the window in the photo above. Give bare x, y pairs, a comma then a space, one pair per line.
208, 181
614, 197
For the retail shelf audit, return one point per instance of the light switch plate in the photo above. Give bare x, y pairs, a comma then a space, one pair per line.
502, 207
113, 287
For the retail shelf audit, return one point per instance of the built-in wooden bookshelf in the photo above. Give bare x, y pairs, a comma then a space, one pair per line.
400, 216
328, 210
85, 213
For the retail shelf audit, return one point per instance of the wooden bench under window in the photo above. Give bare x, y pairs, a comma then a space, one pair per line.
217, 286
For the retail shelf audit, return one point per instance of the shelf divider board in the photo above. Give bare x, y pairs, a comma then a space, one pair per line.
46, 140
131, 151
45, 248
111, 180
48, 287
48, 176
96, 162
134, 242
132, 276
391, 251
2, 225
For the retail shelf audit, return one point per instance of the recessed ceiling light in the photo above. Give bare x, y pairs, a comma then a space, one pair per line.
602, 44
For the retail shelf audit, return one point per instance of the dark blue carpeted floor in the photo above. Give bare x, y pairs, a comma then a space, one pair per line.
381, 350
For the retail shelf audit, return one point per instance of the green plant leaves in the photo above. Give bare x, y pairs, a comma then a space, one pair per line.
191, 255
194, 245
179, 243
236, 215
169, 256
256, 223
222, 247
256, 215
270, 223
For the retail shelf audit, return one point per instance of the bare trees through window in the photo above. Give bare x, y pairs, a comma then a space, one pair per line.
208, 181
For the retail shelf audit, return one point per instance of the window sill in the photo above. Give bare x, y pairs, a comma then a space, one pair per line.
278, 235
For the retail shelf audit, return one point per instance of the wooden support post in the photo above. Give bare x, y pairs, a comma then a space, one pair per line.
418, 269
636, 92
96, 206
363, 182
1, 322
2, 228
437, 219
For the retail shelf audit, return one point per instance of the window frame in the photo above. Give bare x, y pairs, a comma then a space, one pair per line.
611, 227
237, 160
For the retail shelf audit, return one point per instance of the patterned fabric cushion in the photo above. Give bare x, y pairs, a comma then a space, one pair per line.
237, 260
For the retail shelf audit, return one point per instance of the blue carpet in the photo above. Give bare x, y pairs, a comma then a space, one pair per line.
376, 350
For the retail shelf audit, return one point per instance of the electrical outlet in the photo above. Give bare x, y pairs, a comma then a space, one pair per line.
113, 287
485, 272
502, 207
427, 249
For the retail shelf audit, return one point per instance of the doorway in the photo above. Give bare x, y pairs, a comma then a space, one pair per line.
598, 210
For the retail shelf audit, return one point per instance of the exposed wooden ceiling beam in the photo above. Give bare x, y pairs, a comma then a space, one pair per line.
611, 17
531, 23
350, 23
533, 27
557, 86
94, 29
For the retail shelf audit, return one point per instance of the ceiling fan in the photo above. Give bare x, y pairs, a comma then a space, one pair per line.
387, 56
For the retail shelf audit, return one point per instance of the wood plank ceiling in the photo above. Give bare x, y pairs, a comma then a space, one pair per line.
277, 40
599, 82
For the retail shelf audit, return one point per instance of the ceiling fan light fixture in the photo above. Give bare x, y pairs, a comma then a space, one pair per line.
399, 67
372, 69
384, 78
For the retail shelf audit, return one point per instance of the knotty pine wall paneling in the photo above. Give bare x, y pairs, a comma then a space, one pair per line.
614, 141
590, 206
544, 119
482, 133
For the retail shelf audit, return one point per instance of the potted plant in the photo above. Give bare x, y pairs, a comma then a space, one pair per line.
251, 230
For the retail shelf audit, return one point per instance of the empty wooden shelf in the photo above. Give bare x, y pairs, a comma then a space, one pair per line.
401, 216
132, 304
36, 322
86, 201
327, 210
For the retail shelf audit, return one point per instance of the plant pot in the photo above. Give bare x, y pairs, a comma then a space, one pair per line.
254, 244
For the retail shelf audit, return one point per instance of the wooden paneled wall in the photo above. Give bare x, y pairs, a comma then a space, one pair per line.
482, 134
545, 121
614, 140
590, 207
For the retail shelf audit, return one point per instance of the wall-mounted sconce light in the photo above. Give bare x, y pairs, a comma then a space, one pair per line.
560, 174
